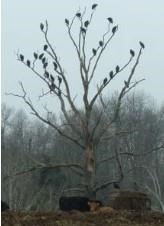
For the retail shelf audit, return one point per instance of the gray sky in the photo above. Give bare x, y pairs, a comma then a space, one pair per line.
138, 20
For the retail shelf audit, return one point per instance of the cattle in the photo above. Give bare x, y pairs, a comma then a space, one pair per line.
76, 203
4, 206
96, 207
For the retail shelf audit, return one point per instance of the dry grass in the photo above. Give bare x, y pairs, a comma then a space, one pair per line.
75, 218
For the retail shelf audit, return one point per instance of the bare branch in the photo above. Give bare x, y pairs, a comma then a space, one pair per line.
36, 113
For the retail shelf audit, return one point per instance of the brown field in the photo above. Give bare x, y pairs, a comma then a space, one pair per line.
75, 218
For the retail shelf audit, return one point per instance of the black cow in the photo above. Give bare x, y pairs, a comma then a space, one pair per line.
74, 203
4, 206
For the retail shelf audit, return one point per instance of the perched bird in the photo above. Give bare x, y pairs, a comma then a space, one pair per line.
45, 47
126, 84
142, 45
67, 22
21, 57
94, 6
46, 74
114, 29
55, 66
111, 74
60, 80
43, 60
45, 65
41, 26
41, 56
101, 43
110, 20
83, 30
116, 185
132, 52
53, 86
86, 23
52, 78
94, 52
28, 63
117, 69
35, 56
78, 14
105, 81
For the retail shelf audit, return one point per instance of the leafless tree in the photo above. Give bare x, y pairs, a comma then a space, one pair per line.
57, 83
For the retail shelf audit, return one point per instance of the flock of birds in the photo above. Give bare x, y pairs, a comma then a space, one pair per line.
42, 58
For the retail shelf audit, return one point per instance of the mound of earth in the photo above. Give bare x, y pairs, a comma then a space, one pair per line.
75, 218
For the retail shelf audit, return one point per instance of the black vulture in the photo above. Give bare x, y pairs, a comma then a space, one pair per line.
78, 14
114, 29
21, 57
55, 65
86, 23
28, 63
67, 21
142, 45
36, 56
94, 51
117, 69
101, 43
110, 20
41, 56
105, 81
41, 26
94, 6
45, 47
111, 74
132, 52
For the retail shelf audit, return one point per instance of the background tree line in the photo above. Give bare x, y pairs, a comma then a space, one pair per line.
39, 165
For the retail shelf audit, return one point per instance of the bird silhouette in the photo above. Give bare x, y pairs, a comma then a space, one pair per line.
43, 60
94, 6
94, 52
35, 56
41, 56
21, 57
45, 47
46, 74
55, 66
105, 81
117, 69
101, 43
45, 65
116, 185
132, 52
41, 26
111, 74
83, 30
67, 21
114, 29
78, 14
110, 20
28, 63
52, 78
142, 45
86, 23
60, 80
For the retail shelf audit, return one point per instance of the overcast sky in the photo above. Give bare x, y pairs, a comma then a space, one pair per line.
138, 20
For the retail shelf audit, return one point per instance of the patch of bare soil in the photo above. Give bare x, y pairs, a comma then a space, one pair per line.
75, 218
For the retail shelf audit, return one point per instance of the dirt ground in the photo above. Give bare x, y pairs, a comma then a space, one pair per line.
75, 218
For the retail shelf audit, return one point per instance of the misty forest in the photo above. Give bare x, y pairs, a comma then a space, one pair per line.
108, 142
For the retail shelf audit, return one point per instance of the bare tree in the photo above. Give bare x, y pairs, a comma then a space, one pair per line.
58, 85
